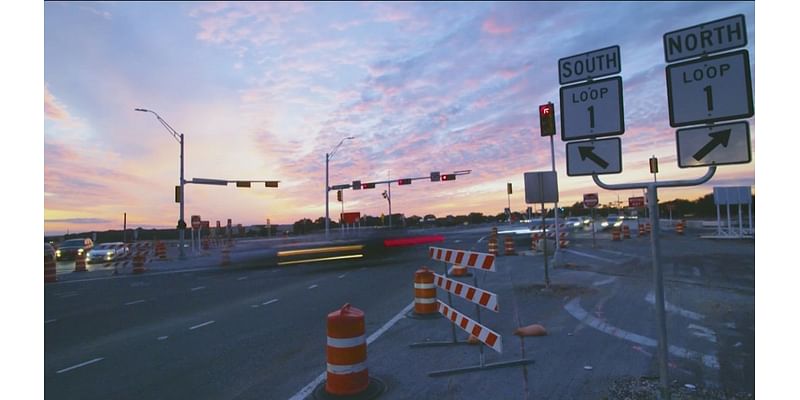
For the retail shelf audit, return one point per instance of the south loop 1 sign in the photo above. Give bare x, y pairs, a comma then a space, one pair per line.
592, 109
714, 145
591, 157
636, 201
590, 200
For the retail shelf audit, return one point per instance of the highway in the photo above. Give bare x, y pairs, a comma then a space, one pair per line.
257, 330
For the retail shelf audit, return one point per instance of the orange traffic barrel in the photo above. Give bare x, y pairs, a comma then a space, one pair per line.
80, 263
626, 231
161, 250
493, 246
679, 228
494, 231
509, 244
424, 292
641, 229
138, 262
534, 241
615, 234
346, 352
459, 271
49, 269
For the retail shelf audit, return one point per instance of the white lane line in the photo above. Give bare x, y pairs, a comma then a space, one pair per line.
608, 260
312, 287
619, 253
305, 391
241, 279
254, 305
605, 281
197, 288
269, 302
574, 308
83, 364
703, 332
50, 320
130, 303
162, 337
651, 298
342, 276
68, 295
201, 325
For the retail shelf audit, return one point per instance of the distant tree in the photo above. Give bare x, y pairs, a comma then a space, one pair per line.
413, 220
302, 226
476, 218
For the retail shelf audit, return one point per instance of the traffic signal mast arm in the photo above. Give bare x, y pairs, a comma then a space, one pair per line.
396, 181
225, 182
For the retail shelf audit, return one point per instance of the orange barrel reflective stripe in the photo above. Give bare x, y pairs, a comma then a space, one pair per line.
562, 240
509, 242
424, 292
347, 372
138, 262
50, 271
493, 246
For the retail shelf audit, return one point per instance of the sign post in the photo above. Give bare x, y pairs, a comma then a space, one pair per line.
542, 187
590, 201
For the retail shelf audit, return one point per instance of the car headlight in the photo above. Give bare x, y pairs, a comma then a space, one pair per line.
80, 251
604, 224
58, 253
618, 223
576, 224
109, 253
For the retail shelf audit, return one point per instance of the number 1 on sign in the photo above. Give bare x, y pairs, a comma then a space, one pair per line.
591, 117
709, 98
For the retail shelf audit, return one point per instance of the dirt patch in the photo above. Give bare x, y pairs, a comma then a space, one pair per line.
556, 290
646, 388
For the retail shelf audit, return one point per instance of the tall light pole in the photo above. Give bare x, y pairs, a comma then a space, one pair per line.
328, 157
179, 138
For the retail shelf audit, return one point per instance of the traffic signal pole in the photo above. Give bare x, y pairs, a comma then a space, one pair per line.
556, 252
327, 189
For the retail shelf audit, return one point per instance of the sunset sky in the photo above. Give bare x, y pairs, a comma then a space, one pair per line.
264, 90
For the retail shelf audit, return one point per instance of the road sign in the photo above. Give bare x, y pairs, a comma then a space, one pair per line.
710, 37
350, 217
541, 187
195, 221
594, 157
636, 201
592, 109
356, 185
714, 145
590, 65
590, 200
339, 187
710, 89
732, 195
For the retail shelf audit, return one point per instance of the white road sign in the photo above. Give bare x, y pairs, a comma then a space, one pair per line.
541, 187
592, 109
714, 145
710, 37
590, 65
594, 157
711, 89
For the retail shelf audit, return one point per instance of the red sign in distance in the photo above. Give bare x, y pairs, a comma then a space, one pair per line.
350, 217
590, 200
196, 222
636, 201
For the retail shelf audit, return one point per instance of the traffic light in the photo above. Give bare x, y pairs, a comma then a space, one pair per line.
404, 181
449, 177
339, 195
368, 186
547, 119
177, 194
271, 184
243, 184
508, 187
653, 165
356, 185
435, 176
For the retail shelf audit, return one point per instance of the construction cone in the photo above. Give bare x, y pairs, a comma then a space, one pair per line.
509, 242
80, 263
49, 269
459, 271
531, 330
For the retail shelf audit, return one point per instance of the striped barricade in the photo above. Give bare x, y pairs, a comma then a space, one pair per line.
484, 334
469, 259
487, 300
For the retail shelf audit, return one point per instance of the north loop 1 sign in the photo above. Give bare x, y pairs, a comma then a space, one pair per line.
594, 157
714, 145
592, 109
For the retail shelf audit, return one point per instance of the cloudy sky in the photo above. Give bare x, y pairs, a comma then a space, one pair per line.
264, 90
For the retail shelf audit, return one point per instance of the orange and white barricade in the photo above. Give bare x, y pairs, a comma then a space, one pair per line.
563, 240
466, 258
487, 300
50, 270
509, 246
161, 250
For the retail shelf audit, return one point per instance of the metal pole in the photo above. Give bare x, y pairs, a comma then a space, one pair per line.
341, 216
658, 282
390, 205
719, 222
750, 217
594, 229
739, 213
124, 227
181, 223
327, 188
555, 212
544, 248
509, 208
728, 214
478, 312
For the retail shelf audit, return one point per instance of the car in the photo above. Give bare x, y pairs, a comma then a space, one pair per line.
73, 248
574, 223
106, 252
613, 221
49, 252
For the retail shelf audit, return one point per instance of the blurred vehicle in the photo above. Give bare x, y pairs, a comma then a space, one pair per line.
613, 221
105, 252
574, 222
49, 252
73, 248
587, 220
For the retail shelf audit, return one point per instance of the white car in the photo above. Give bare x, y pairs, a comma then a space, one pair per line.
574, 223
106, 252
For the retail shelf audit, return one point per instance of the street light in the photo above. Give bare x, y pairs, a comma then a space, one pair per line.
328, 157
179, 138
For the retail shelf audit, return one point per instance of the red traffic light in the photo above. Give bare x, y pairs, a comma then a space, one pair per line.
449, 177
547, 119
368, 186
405, 181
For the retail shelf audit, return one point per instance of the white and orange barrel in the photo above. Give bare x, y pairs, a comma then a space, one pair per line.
50, 271
80, 263
680, 227
138, 262
458, 270
347, 372
647, 228
509, 244
493, 245
424, 292
161, 250
615, 234
626, 231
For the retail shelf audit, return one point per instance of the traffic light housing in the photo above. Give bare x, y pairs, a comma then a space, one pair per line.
243, 184
177, 194
404, 181
368, 186
653, 165
449, 177
547, 119
508, 188
435, 176
356, 185
272, 184
339, 195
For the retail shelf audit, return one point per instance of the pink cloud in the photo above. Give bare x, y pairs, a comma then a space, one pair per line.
493, 27
53, 109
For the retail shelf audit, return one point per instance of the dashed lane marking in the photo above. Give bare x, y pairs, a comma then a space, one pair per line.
305, 391
241, 278
608, 260
312, 287
197, 288
269, 302
201, 325
50, 320
574, 308
341, 276
162, 337
130, 303
605, 281
83, 364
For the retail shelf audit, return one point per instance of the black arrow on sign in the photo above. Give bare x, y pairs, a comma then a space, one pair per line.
587, 152
717, 138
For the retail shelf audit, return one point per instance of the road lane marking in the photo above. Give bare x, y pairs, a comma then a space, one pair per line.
651, 298
605, 281
162, 337
619, 253
703, 332
305, 391
312, 287
197, 288
241, 279
342, 276
269, 302
50, 320
83, 364
608, 260
574, 308
201, 325
130, 303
